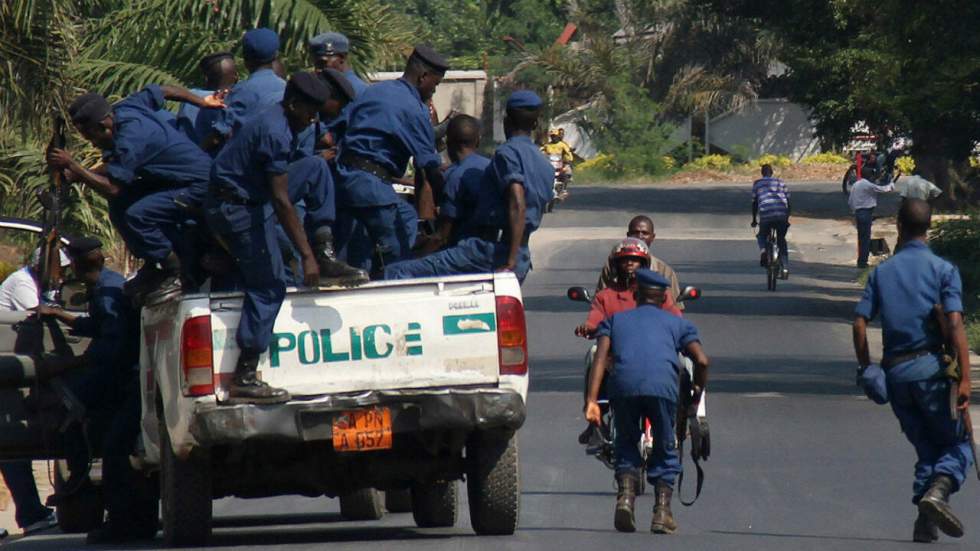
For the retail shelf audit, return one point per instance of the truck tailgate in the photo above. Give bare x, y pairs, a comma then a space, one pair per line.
386, 335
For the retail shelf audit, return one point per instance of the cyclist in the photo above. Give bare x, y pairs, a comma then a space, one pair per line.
770, 204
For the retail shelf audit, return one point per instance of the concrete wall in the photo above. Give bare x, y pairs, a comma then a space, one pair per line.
459, 90
766, 126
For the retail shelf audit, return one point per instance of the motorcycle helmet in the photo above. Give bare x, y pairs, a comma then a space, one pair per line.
631, 247
554, 132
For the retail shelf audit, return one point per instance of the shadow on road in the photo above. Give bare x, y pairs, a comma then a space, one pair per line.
807, 536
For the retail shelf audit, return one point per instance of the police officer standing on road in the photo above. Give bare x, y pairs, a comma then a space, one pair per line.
388, 124
904, 290
643, 344
510, 203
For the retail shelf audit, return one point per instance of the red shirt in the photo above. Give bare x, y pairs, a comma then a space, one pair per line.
615, 299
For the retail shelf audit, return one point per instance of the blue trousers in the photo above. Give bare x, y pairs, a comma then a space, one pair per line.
152, 224
311, 191
628, 413
393, 227
20, 481
352, 242
249, 234
941, 443
782, 226
470, 256
862, 219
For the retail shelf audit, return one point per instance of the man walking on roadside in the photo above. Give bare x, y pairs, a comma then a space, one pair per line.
905, 290
863, 200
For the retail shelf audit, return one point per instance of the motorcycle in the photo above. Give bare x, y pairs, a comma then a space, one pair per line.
598, 440
560, 185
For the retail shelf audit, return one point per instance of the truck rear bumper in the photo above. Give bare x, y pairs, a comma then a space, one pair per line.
312, 420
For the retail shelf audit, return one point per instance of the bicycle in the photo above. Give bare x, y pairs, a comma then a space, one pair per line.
774, 262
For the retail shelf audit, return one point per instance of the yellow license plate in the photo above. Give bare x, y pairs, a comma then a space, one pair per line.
362, 430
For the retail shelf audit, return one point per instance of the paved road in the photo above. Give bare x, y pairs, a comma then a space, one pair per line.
800, 460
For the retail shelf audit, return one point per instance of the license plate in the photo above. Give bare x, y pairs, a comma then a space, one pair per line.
362, 430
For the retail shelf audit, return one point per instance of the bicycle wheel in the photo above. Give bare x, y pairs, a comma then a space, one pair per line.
773, 269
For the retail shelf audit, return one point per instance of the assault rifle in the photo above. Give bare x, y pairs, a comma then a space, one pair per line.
951, 365
51, 200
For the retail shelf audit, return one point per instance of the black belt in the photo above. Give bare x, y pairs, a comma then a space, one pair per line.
367, 165
496, 235
891, 361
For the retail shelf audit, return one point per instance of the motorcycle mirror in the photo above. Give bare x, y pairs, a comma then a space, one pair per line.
689, 293
578, 294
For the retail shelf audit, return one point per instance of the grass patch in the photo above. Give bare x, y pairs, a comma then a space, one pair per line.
973, 333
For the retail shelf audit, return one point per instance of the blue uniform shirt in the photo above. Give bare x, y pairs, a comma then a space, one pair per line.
903, 290
387, 125
305, 145
148, 149
516, 160
261, 147
462, 187
645, 342
248, 98
356, 83
112, 324
188, 115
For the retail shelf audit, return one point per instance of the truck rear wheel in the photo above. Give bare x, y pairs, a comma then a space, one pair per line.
185, 494
398, 501
434, 504
363, 504
493, 483
80, 511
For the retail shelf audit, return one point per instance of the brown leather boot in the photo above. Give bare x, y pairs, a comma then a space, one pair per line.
625, 519
663, 519
935, 505
925, 530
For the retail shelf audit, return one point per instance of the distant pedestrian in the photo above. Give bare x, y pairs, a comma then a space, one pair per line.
904, 290
863, 200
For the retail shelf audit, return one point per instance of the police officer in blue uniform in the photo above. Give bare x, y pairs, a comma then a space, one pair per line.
262, 88
388, 124
250, 182
105, 379
642, 345
154, 177
463, 179
331, 125
330, 51
510, 203
220, 74
904, 291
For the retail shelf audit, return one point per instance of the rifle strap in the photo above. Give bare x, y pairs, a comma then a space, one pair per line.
680, 479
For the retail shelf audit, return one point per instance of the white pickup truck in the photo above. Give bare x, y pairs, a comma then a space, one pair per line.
396, 386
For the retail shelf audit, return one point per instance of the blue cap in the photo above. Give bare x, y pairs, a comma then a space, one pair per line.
260, 45
524, 99
649, 278
329, 44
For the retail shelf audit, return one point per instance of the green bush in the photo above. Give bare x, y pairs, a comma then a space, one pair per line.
956, 241
775, 161
711, 162
825, 158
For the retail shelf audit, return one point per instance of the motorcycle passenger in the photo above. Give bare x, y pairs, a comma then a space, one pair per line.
641, 227
643, 345
770, 204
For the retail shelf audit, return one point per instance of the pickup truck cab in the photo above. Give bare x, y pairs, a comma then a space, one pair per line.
398, 386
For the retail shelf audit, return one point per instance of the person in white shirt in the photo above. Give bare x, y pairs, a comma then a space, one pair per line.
19, 291
863, 200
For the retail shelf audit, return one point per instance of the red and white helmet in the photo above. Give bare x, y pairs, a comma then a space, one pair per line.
631, 247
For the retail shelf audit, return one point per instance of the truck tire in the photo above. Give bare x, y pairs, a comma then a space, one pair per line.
398, 501
81, 511
434, 504
185, 494
363, 504
493, 483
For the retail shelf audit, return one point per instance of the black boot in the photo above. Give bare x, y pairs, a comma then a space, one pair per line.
625, 519
925, 530
333, 271
160, 279
663, 518
935, 506
247, 388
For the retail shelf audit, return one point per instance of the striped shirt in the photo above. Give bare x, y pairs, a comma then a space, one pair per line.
772, 197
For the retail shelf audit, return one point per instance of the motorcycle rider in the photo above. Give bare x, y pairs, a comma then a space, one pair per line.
641, 227
557, 146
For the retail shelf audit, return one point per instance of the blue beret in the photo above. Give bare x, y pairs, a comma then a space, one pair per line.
338, 82
89, 108
649, 278
260, 45
524, 99
307, 87
329, 44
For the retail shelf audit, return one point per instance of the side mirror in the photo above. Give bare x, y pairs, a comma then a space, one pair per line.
74, 296
579, 294
689, 293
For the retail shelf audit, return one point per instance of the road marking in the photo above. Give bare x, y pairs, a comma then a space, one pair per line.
763, 395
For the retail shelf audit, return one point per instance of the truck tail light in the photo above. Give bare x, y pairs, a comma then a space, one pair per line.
511, 336
196, 356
